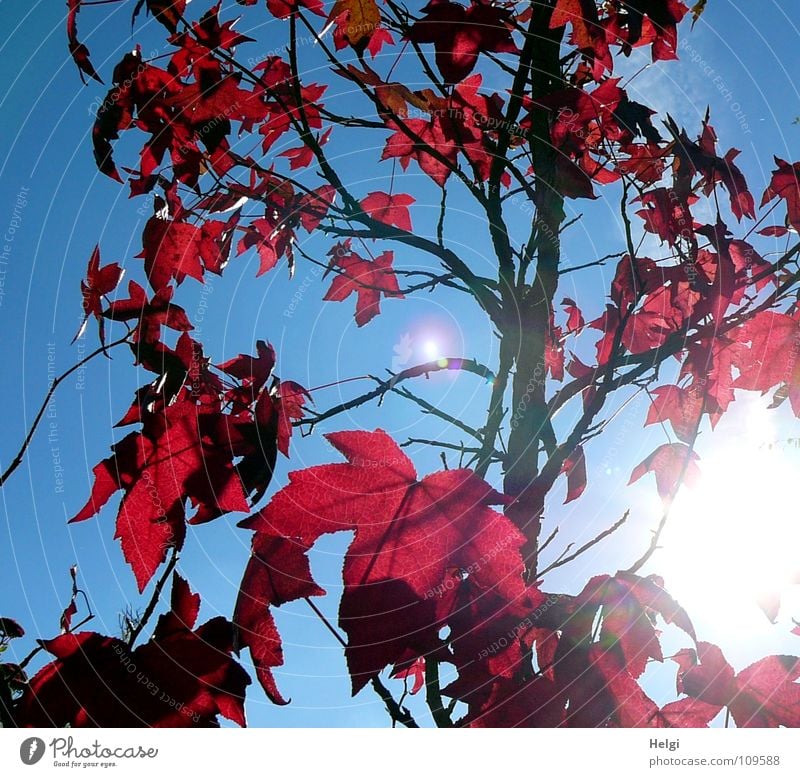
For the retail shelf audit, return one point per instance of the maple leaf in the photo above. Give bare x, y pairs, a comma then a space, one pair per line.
596, 674
575, 320
283, 9
78, 51
460, 34
255, 370
415, 671
139, 99
10, 629
99, 282
785, 184
391, 209
682, 407
410, 536
687, 713
356, 22
174, 459
588, 35
432, 135
767, 355
367, 279
177, 249
380, 36
575, 468
763, 695
643, 22
673, 464
273, 238
290, 400
90, 682
150, 315
168, 12
314, 206
664, 214
701, 157
278, 572
261, 419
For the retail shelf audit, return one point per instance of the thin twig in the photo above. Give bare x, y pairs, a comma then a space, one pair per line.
55, 384
397, 713
153, 603
587, 546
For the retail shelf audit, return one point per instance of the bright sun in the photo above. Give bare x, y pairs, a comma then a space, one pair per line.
431, 349
733, 541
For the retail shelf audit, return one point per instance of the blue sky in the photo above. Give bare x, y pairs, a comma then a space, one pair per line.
738, 62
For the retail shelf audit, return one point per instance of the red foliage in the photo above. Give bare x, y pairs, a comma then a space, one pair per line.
181, 677
442, 569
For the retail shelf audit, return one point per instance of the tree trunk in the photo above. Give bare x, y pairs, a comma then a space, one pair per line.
530, 327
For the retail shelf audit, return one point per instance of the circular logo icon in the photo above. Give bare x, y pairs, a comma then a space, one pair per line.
31, 751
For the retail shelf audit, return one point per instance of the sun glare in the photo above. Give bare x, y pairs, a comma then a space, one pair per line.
431, 349
732, 542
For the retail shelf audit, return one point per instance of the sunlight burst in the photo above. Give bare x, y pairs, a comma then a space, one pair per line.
731, 543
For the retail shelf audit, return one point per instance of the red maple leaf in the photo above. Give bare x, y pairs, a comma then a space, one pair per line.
785, 184
411, 537
681, 407
575, 320
79, 52
575, 468
673, 464
766, 357
389, 209
647, 22
99, 282
278, 572
283, 9
177, 249
367, 279
460, 34
431, 134
764, 695
175, 459
151, 314
587, 33
180, 678
253, 370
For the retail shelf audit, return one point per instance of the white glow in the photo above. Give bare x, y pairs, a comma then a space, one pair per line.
735, 537
431, 349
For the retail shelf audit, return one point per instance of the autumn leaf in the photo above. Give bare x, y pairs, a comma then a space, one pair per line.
177, 250
673, 464
79, 52
764, 695
168, 12
587, 33
409, 535
414, 671
356, 22
681, 407
391, 209
575, 320
460, 34
282, 9
278, 572
99, 282
575, 469
90, 681
367, 279
174, 460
